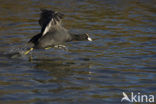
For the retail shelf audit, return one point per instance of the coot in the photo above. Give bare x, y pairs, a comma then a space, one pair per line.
53, 34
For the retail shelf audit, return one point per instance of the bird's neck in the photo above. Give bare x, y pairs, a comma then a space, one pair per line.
76, 37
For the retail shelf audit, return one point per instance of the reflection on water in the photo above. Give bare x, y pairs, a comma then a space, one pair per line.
121, 58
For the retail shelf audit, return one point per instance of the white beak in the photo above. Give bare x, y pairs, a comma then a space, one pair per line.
90, 39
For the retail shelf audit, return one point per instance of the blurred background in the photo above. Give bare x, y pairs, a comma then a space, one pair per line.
121, 58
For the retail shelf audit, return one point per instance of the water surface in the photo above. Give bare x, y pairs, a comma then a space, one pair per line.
121, 58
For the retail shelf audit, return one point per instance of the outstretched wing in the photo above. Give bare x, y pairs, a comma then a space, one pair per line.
49, 18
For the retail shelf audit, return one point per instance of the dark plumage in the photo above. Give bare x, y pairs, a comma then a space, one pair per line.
52, 32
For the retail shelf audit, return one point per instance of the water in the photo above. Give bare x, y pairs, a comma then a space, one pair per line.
121, 58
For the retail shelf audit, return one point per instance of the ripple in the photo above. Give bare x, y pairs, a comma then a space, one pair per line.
120, 59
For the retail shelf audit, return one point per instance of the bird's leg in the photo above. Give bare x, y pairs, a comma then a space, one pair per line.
61, 47
48, 47
25, 53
